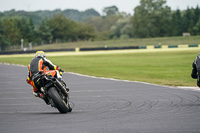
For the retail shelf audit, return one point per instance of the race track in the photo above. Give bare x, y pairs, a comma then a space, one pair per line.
99, 106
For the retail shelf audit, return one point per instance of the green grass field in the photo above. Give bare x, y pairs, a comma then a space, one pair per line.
192, 40
165, 67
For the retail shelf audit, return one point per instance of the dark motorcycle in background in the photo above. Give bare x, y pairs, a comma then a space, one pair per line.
55, 91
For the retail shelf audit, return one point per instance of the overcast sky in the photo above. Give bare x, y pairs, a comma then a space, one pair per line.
82, 5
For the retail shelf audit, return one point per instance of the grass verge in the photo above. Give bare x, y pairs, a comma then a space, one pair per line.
169, 67
126, 42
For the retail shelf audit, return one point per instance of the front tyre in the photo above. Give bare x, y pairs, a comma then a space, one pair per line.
58, 101
69, 107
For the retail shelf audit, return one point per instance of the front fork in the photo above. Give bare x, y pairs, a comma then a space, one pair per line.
62, 88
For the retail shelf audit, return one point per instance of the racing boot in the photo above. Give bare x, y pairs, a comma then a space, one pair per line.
42, 96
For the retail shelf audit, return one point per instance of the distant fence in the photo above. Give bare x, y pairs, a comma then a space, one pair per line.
104, 48
108, 48
33, 51
169, 46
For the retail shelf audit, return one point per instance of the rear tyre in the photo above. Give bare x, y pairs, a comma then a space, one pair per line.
58, 101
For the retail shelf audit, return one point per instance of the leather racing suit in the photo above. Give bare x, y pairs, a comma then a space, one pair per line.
38, 66
196, 70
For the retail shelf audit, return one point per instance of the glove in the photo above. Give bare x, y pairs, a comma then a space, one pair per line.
61, 73
61, 70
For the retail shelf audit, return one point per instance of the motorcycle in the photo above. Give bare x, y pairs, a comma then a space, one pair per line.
54, 90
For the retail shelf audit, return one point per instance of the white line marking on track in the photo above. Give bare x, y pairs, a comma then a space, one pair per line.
128, 81
31, 104
91, 91
13, 92
21, 98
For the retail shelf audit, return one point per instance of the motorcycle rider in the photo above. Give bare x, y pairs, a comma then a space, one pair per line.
38, 66
196, 69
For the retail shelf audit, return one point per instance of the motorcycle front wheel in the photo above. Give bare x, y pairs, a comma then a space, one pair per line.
57, 100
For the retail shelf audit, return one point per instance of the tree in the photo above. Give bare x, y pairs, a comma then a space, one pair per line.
151, 18
1, 14
197, 27
26, 28
83, 32
61, 27
103, 25
45, 31
177, 23
186, 20
111, 10
3, 43
11, 31
196, 14
121, 28
3, 40
88, 14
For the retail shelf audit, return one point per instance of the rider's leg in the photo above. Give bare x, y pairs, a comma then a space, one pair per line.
42, 96
37, 92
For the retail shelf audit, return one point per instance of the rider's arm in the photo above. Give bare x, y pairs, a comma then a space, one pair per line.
51, 65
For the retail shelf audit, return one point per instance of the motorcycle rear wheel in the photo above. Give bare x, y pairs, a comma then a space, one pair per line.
58, 101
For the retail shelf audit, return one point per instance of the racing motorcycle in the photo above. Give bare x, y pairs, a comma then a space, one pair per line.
55, 91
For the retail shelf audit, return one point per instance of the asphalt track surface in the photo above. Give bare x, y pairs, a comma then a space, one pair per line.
99, 106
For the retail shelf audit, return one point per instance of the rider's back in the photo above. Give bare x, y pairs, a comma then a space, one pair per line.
36, 65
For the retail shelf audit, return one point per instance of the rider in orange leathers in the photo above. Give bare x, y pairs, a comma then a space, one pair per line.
39, 65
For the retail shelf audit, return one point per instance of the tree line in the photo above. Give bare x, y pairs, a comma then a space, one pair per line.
56, 29
152, 18
156, 19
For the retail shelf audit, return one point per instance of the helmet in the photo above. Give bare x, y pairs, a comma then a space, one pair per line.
40, 54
